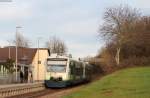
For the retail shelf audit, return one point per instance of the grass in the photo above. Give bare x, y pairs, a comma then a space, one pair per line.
127, 83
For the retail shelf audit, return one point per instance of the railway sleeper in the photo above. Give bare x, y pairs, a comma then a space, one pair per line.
12, 91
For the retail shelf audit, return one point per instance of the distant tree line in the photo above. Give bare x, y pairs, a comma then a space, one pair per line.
21, 41
127, 36
56, 45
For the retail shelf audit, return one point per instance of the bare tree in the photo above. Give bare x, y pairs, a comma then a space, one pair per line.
138, 39
56, 45
21, 41
118, 20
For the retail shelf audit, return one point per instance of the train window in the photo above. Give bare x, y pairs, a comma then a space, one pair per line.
76, 68
56, 68
77, 65
72, 67
71, 63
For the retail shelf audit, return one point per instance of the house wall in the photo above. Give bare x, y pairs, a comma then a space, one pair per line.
39, 68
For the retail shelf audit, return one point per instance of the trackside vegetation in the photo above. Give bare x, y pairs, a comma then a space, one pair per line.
126, 83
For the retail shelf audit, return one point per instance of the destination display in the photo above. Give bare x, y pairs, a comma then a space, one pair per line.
56, 62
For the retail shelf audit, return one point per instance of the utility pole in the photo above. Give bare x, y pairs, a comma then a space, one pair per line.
8, 49
17, 51
9, 52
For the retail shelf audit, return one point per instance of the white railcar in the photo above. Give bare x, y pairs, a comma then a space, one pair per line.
63, 71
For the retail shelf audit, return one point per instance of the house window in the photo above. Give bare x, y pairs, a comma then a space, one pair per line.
39, 62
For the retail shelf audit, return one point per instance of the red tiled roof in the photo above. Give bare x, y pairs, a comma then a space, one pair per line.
25, 55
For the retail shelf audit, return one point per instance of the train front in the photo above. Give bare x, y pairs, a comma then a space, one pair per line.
57, 73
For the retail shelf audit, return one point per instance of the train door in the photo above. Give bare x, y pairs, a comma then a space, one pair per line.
72, 71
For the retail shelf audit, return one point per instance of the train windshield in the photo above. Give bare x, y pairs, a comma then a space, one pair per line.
56, 68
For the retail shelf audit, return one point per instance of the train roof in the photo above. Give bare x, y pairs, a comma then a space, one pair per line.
56, 57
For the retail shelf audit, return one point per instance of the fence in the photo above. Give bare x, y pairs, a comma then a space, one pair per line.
8, 78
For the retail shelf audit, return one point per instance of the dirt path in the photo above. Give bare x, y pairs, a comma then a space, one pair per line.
61, 93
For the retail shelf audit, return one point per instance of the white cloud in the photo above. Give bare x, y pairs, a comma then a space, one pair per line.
85, 27
80, 27
142, 3
15, 10
83, 49
70, 20
3, 43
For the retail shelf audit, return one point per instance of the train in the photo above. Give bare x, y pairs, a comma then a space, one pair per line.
63, 71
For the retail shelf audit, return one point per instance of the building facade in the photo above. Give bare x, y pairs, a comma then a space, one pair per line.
30, 61
38, 64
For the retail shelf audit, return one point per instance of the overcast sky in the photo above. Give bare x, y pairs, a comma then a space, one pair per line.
74, 21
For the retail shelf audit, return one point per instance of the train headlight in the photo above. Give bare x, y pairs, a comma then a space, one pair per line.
51, 78
56, 79
60, 79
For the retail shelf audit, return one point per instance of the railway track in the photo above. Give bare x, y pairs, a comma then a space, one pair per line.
35, 90
37, 94
47, 93
17, 89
